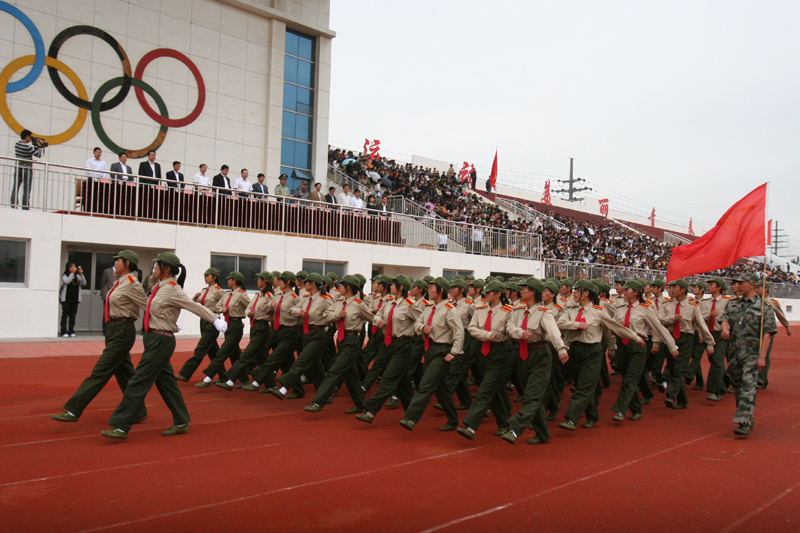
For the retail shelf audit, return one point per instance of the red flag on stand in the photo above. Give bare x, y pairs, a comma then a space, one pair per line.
493, 175
739, 233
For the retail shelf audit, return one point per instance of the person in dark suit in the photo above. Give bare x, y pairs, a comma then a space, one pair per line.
221, 180
150, 171
260, 187
331, 196
175, 178
123, 171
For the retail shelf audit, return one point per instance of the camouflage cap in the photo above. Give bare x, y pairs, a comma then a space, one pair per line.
746, 277
128, 255
169, 258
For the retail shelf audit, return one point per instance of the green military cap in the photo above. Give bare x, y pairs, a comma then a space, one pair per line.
361, 279
421, 283
350, 279
602, 285
460, 283
441, 283
495, 286
764, 284
329, 281
635, 285
276, 274
169, 258
428, 279
213, 271
658, 283
383, 278
404, 281
569, 282
478, 284
332, 275
266, 276
552, 285
682, 283
699, 283
288, 275
586, 284
458, 276
283, 177
314, 278
236, 276
128, 255
513, 286
501, 279
535, 284
746, 277
620, 281
302, 274
720, 282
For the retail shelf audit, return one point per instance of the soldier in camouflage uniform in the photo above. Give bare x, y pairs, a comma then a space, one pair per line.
741, 324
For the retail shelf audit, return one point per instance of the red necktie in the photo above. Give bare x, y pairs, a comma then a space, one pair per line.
656, 304
305, 315
387, 339
227, 314
278, 314
374, 329
676, 326
147, 311
108, 297
627, 322
340, 333
427, 335
253, 318
203, 299
710, 320
523, 344
486, 347
579, 316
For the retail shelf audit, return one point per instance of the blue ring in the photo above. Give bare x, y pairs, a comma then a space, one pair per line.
38, 44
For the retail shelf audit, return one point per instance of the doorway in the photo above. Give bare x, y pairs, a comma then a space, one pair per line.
90, 311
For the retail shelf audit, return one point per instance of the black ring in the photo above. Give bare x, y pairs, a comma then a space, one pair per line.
72, 31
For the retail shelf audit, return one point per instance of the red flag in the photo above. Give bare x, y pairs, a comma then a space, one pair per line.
739, 233
493, 175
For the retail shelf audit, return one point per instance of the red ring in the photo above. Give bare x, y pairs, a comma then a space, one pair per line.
201, 88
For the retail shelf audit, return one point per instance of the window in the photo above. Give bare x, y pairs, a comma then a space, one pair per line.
297, 128
450, 274
324, 267
249, 266
13, 262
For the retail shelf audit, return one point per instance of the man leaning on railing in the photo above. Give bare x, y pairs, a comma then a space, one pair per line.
25, 149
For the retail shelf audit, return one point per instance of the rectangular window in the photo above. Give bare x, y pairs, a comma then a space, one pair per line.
324, 267
13, 262
297, 128
249, 266
450, 274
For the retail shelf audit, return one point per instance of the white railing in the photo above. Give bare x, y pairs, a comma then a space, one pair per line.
674, 239
70, 190
528, 213
341, 179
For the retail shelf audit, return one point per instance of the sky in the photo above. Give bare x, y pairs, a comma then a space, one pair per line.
681, 106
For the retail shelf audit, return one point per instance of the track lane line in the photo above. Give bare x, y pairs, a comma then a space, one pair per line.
757, 510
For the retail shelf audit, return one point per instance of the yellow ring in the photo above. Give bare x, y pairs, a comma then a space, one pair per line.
5, 112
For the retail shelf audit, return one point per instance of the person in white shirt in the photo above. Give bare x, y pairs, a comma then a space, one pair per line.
243, 186
356, 200
201, 180
343, 197
95, 163
441, 240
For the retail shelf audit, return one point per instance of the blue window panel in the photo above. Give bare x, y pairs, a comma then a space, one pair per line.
305, 73
290, 69
287, 152
290, 96
302, 155
289, 127
305, 101
306, 47
292, 43
303, 129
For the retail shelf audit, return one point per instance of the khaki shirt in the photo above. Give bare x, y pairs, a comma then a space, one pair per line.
658, 301
597, 318
357, 313
464, 310
378, 304
500, 315
263, 310
212, 296
446, 326
316, 305
125, 298
405, 315
287, 302
719, 307
644, 322
776, 306
234, 302
690, 317
166, 305
541, 323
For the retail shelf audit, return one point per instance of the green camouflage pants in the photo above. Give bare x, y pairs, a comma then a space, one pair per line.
744, 373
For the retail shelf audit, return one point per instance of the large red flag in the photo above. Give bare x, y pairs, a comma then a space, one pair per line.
493, 175
739, 233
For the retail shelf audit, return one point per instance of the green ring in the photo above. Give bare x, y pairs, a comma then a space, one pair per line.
98, 126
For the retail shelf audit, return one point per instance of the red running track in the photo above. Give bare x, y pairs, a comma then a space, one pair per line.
252, 461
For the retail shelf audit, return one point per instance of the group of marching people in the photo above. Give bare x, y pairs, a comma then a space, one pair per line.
420, 338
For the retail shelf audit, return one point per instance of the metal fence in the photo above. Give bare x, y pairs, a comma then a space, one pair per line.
525, 212
71, 190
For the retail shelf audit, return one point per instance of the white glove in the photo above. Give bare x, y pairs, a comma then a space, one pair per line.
180, 328
221, 325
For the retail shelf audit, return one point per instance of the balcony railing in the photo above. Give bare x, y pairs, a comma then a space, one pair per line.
78, 191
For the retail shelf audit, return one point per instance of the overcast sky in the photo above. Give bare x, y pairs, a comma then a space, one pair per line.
681, 106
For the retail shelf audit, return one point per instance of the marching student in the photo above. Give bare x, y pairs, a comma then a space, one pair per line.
207, 345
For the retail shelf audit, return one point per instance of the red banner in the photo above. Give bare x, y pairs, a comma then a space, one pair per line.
546, 198
604, 207
493, 175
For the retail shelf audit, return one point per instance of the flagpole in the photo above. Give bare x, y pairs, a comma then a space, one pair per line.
763, 278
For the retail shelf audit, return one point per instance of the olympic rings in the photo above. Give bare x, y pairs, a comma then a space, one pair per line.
73, 31
5, 112
38, 45
201, 88
101, 132
96, 105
